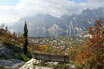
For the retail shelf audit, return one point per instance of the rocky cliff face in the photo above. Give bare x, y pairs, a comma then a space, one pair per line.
47, 25
7, 56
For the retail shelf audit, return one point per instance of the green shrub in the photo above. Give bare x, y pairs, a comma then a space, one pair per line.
59, 66
29, 55
23, 57
7, 43
43, 63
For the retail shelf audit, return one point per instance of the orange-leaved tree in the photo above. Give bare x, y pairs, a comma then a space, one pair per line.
93, 52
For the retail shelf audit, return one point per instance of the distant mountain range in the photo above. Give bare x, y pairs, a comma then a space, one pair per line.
46, 25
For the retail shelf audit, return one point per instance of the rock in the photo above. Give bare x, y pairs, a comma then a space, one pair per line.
12, 63
9, 51
6, 52
54, 63
30, 64
39, 67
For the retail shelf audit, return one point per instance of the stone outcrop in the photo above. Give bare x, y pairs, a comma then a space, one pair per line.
11, 63
6, 52
30, 64
39, 67
7, 56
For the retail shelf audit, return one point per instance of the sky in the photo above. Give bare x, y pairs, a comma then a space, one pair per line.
8, 2
78, 1
13, 10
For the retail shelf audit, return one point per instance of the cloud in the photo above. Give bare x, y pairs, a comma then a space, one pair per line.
53, 7
56, 8
96, 1
92, 4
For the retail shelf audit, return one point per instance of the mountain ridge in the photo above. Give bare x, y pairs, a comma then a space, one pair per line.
46, 25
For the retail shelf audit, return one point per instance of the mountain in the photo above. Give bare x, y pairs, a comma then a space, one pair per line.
46, 25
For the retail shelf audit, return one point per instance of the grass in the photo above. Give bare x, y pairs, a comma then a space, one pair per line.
4, 68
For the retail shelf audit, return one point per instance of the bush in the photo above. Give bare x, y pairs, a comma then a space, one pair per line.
7, 43
59, 66
23, 57
91, 55
43, 63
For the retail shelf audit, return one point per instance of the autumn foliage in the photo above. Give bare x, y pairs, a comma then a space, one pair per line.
93, 52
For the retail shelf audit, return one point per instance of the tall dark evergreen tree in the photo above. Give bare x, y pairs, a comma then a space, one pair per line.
25, 49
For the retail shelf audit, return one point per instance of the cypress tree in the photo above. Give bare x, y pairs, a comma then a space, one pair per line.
25, 49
